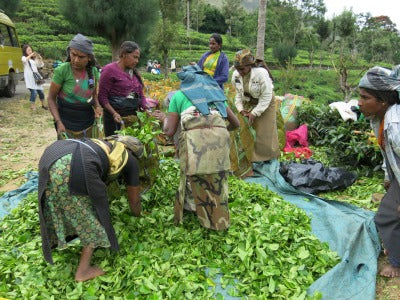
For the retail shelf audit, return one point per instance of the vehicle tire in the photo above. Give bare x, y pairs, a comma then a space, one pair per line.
9, 90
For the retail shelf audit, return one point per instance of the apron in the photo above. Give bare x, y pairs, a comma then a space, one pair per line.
204, 160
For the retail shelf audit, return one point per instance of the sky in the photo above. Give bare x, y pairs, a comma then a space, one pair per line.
390, 8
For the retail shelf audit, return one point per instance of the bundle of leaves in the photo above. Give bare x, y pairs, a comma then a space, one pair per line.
146, 129
347, 143
268, 252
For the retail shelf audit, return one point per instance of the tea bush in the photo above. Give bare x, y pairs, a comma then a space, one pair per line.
348, 144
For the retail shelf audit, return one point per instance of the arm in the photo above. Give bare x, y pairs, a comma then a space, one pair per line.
104, 92
171, 123
233, 120
104, 87
142, 97
239, 88
96, 105
51, 99
393, 136
265, 92
25, 59
131, 175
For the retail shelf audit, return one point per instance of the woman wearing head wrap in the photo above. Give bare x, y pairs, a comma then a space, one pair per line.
73, 91
380, 103
121, 89
73, 198
214, 62
200, 107
255, 100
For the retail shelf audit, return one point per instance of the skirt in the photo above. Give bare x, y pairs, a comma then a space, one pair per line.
387, 221
70, 134
208, 194
69, 216
266, 146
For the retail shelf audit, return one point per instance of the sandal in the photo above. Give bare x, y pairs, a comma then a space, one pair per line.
45, 107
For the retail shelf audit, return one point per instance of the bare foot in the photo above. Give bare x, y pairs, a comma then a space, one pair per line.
89, 273
390, 271
385, 252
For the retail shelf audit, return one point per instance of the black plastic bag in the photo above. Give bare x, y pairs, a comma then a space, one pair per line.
312, 176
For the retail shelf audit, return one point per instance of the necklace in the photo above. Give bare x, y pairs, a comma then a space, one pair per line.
78, 74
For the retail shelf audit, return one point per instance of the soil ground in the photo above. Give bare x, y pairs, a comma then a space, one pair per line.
24, 134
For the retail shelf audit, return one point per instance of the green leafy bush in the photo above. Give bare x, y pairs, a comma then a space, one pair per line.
284, 53
347, 144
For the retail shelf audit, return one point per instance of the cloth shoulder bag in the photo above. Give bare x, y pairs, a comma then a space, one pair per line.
38, 77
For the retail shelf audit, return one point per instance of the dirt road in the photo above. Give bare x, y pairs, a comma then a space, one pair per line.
24, 134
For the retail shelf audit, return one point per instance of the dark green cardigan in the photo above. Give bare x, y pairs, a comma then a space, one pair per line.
89, 168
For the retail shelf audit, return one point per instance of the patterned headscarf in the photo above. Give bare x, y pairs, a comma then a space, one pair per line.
244, 58
81, 43
381, 79
130, 142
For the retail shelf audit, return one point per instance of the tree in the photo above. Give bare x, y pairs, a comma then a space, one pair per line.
313, 11
116, 21
311, 42
344, 54
323, 30
231, 10
214, 21
9, 7
284, 22
198, 11
247, 32
377, 39
262, 8
284, 53
164, 36
188, 19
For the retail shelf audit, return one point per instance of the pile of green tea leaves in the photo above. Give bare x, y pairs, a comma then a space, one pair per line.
267, 253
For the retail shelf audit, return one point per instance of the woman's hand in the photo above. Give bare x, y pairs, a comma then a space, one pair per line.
249, 115
98, 111
60, 127
386, 184
251, 118
244, 113
159, 115
117, 118
32, 55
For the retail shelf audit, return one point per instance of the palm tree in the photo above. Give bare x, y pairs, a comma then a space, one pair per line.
262, 10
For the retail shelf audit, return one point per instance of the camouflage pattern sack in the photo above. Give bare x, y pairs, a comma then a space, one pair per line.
204, 145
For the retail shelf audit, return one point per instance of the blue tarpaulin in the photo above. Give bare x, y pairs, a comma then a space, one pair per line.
10, 199
349, 230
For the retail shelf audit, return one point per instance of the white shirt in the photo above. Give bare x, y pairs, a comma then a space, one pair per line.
28, 74
260, 87
391, 129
